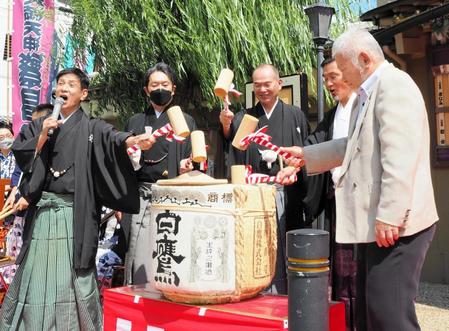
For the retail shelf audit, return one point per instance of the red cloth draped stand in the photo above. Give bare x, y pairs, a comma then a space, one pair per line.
139, 308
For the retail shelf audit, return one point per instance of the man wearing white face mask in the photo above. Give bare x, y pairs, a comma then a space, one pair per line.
164, 160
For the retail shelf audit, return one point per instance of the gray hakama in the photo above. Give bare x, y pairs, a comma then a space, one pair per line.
47, 293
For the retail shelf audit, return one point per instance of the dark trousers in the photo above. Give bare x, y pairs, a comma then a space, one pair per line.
279, 283
391, 283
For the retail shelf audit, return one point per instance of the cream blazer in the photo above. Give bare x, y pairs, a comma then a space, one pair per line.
385, 173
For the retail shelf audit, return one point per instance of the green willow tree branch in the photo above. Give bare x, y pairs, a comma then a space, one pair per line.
195, 37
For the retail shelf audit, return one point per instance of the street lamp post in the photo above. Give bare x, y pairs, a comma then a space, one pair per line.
320, 16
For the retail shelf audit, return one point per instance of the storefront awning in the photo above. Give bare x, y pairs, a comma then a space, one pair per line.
396, 7
384, 35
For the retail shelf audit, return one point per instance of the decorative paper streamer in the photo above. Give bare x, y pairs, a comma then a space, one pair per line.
260, 178
166, 131
261, 138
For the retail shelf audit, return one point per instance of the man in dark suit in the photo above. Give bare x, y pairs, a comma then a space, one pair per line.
320, 196
288, 126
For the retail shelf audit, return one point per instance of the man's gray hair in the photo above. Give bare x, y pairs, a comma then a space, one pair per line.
352, 42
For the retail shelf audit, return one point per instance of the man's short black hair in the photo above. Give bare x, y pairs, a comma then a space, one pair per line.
162, 67
43, 107
6, 125
327, 61
84, 80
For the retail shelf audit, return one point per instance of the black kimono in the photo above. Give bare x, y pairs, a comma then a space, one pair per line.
161, 161
102, 176
288, 127
320, 191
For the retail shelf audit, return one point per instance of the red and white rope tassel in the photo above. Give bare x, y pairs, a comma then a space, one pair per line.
166, 131
260, 178
261, 138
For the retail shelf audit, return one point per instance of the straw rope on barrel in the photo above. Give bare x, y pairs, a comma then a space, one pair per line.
241, 197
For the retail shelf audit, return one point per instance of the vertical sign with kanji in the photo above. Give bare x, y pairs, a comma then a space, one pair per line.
192, 250
167, 225
32, 42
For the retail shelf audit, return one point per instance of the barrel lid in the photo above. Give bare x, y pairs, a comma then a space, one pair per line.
193, 178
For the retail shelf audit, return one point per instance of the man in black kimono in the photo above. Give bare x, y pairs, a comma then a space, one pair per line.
164, 160
288, 126
320, 195
68, 175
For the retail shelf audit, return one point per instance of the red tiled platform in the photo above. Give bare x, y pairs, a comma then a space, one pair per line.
139, 308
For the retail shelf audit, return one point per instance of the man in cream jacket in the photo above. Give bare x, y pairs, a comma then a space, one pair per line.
384, 197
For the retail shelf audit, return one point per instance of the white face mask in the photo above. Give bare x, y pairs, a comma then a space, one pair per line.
6, 143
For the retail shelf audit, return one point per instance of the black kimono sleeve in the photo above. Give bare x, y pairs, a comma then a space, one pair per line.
180, 150
186, 147
114, 179
34, 167
303, 125
233, 155
296, 126
321, 133
24, 145
317, 186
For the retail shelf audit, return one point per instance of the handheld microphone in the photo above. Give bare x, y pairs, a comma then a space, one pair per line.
56, 110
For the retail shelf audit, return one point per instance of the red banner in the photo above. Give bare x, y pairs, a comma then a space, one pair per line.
32, 42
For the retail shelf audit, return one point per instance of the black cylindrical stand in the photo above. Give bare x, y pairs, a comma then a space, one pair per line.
308, 270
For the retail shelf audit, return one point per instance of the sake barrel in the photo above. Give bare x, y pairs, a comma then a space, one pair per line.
212, 243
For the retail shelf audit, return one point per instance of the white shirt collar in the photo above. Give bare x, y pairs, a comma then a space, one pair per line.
341, 127
158, 113
344, 112
368, 85
342, 118
268, 114
64, 119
